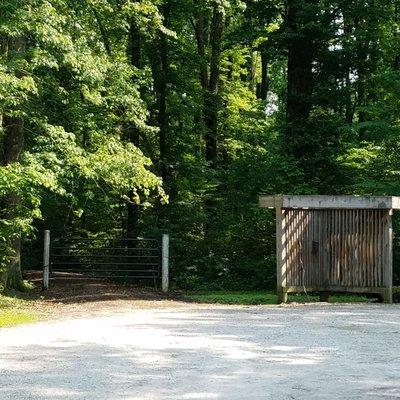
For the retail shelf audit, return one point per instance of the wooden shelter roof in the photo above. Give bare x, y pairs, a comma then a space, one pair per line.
330, 202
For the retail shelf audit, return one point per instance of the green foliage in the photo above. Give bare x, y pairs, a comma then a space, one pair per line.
111, 99
74, 99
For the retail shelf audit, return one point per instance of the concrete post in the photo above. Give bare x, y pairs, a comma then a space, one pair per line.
46, 260
165, 262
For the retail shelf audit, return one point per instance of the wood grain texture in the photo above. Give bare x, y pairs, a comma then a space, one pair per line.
345, 249
331, 202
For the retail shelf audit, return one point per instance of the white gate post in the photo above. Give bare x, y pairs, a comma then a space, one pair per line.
165, 262
46, 260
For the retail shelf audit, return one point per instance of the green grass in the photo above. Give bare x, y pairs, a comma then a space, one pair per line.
253, 298
12, 317
10, 302
13, 312
233, 297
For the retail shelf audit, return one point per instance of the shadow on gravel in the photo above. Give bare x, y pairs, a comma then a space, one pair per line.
207, 354
78, 289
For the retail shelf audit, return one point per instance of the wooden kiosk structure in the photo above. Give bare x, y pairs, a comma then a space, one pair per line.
333, 244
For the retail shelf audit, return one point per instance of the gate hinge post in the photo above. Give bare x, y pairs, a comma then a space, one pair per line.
165, 262
46, 259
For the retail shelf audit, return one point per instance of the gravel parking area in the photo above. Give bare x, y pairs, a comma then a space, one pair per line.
315, 351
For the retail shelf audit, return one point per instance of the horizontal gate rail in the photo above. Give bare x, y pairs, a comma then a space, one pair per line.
98, 263
106, 257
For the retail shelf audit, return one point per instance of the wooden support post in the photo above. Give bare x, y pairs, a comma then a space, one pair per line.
165, 263
280, 257
46, 259
324, 296
387, 296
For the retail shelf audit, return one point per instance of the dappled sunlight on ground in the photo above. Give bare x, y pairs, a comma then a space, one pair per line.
310, 352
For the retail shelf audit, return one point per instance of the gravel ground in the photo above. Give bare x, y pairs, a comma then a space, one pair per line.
295, 352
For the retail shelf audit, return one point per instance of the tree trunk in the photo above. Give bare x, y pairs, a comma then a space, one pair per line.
13, 145
211, 96
349, 103
361, 102
103, 32
160, 71
162, 97
349, 106
134, 52
252, 71
201, 40
209, 75
300, 79
362, 61
211, 107
134, 45
13, 275
264, 85
397, 63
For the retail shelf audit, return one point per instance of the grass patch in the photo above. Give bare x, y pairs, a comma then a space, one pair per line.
12, 317
334, 298
249, 298
254, 298
13, 312
7, 302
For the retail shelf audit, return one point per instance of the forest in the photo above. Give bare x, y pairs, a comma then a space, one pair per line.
131, 118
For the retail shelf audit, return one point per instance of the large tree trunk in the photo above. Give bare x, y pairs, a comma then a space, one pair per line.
13, 146
251, 79
160, 71
200, 29
209, 79
103, 32
300, 78
134, 52
162, 117
396, 63
349, 106
211, 96
12, 151
13, 274
263, 88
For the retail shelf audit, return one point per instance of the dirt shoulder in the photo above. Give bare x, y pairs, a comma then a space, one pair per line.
75, 297
71, 297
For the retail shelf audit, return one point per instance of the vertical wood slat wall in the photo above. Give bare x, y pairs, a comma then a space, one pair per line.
335, 248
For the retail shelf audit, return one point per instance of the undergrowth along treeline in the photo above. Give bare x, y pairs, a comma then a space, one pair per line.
135, 117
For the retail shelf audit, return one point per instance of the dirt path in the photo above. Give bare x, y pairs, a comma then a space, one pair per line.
201, 352
74, 297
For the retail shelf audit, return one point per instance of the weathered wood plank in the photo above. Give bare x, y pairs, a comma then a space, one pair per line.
387, 297
280, 255
379, 248
288, 215
334, 249
337, 289
270, 201
337, 202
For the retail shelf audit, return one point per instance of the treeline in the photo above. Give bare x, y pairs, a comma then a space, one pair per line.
134, 117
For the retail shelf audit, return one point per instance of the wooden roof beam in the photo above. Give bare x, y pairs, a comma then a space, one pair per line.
330, 202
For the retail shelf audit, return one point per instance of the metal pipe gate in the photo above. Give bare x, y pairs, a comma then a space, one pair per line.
112, 258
